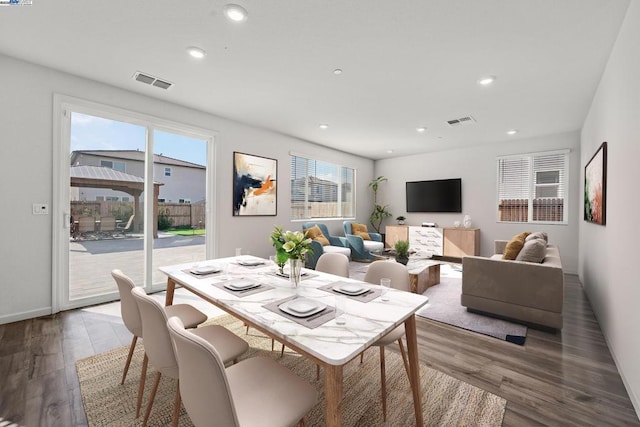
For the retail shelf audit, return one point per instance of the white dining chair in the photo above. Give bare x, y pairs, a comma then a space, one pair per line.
399, 276
333, 263
159, 348
190, 316
254, 392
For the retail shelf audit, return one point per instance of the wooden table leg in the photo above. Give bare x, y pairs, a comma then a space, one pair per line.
414, 367
333, 395
171, 287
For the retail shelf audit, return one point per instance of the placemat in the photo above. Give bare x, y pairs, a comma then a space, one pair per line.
286, 276
201, 276
310, 322
370, 295
244, 292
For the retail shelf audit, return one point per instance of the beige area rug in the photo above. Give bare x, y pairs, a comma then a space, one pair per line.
446, 401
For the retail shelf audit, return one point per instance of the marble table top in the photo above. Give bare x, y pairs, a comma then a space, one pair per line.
334, 344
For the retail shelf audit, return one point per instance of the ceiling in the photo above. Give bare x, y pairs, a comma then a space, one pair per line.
406, 64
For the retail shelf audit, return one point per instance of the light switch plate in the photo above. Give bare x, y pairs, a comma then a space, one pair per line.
40, 209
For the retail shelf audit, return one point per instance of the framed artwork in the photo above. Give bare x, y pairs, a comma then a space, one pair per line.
254, 185
595, 187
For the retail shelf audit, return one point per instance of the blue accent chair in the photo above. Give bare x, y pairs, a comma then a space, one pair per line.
361, 249
337, 244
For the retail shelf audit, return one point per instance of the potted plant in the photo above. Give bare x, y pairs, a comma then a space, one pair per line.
380, 212
402, 251
400, 220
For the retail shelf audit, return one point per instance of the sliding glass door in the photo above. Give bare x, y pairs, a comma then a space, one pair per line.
132, 194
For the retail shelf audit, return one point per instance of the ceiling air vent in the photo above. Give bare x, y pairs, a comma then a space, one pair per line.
150, 80
466, 120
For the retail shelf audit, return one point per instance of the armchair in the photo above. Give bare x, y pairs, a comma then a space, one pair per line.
336, 244
361, 248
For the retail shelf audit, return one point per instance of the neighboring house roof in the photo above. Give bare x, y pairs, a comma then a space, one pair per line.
135, 155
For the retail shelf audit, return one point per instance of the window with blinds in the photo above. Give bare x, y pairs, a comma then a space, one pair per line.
321, 189
533, 187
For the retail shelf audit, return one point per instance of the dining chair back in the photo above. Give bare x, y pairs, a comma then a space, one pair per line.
86, 225
333, 263
256, 391
129, 312
399, 276
158, 347
395, 271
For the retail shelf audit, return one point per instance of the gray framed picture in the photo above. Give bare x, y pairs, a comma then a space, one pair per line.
254, 185
595, 187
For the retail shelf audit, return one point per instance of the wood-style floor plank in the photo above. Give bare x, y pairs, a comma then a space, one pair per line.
566, 378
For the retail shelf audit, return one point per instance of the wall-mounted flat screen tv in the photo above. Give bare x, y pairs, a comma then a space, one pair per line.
442, 195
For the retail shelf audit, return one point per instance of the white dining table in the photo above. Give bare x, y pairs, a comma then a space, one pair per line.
330, 345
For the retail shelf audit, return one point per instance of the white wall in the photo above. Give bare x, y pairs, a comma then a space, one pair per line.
26, 109
477, 168
608, 254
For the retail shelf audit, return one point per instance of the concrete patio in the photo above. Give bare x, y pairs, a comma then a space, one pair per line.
91, 261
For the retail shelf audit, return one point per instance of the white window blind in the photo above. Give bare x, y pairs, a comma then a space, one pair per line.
533, 187
321, 189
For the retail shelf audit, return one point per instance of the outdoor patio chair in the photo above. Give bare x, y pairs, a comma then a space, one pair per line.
107, 226
123, 228
86, 226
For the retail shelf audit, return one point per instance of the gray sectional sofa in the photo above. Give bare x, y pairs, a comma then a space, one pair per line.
532, 293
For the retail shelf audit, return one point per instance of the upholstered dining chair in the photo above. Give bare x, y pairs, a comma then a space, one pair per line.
333, 263
399, 276
190, 316
254, 392
159, 348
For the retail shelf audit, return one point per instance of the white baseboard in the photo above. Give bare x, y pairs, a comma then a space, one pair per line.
16, 317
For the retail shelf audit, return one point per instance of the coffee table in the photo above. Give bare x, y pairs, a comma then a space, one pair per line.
423, 273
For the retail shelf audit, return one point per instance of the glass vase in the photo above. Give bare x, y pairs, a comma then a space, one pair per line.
295, 270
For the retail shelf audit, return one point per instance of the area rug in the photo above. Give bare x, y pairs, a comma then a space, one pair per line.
444, 306
446, 400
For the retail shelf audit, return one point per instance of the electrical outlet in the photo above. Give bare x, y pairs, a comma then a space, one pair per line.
40, 209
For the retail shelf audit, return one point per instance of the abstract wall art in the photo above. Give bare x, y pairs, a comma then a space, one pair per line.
254, 185
595, 187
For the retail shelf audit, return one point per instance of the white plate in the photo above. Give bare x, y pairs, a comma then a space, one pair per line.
206, 269
350, 288
301, 307
250, 263
241, 285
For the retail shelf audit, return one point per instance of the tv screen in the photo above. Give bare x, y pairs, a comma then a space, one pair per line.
443, 195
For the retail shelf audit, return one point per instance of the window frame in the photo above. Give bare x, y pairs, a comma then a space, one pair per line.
341, 171
532, 186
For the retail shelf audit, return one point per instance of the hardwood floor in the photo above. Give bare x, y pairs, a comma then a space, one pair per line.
565, 378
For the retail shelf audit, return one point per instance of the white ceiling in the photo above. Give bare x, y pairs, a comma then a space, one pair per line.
407, 63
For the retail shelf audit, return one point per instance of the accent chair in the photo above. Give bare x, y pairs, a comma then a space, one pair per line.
361, 241
331, 244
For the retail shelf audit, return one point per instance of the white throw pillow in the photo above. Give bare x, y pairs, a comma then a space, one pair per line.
534, 250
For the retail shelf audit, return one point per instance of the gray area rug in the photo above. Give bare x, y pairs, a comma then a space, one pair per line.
444, 306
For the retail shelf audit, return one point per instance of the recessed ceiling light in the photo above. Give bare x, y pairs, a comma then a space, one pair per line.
512, 132
389, 151
421, 129
235, 12
487, 80
196, 52
324, 126
337, 71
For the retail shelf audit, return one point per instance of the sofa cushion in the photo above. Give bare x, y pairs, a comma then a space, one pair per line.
515, 245
534, 250
538, 235
360, 230
315, 233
